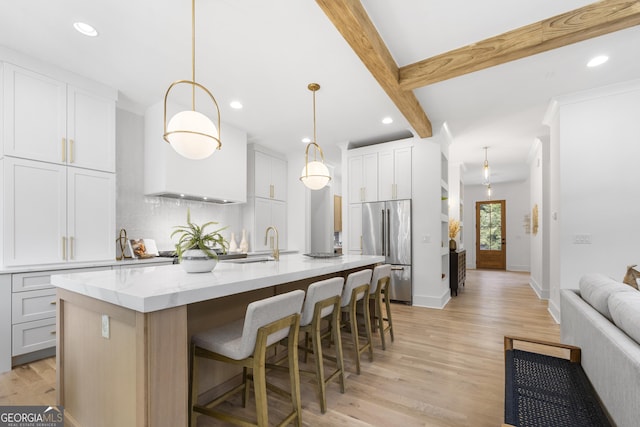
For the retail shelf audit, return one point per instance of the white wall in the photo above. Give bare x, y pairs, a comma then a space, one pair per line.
516, 196
597, 134
154, 217
537, 279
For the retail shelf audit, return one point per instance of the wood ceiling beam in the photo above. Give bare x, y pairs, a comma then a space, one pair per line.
593, 20
352, 21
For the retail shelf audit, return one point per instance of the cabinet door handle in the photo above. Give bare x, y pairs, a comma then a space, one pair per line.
271, 191
52, 332
71, 244
362, 194
54, 302
361, 243
71, 151
64, 248
64, 149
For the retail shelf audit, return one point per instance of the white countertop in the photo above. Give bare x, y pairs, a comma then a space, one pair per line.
150, 289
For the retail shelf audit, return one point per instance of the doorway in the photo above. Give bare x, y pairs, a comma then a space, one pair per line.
491, 251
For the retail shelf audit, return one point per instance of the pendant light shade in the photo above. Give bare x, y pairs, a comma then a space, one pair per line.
485, 168
191, 133
315, 174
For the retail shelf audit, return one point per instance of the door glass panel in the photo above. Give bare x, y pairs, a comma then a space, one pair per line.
490, 227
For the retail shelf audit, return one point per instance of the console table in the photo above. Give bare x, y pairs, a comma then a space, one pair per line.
457, 270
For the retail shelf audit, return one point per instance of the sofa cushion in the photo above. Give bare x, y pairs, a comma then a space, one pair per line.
595, 289
625, 311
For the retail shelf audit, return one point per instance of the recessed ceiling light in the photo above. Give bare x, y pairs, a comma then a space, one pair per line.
598, 60
85, 29
306, 140
236, 105
387, 120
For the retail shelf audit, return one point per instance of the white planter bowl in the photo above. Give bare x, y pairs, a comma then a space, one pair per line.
197, 261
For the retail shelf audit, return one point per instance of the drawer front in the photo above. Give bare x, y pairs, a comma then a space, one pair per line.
34, 336
33, 305
31, 281
22, 282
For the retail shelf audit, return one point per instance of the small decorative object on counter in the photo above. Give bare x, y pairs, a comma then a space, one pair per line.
195, 248
123, 242
233, 246
244, 244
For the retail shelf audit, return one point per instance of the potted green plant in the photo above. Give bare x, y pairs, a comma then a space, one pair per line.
195, 247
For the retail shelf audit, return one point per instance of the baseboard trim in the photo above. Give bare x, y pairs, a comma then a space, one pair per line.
543, 294
432, 301
554, 311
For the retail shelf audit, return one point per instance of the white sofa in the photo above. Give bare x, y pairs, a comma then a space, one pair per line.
610, 356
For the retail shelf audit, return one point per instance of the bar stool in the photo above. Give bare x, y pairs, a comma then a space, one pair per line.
356, 289
323, 300
379, 289
245, 343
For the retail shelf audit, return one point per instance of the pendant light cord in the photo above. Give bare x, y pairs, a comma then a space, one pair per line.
315, 139
193, 54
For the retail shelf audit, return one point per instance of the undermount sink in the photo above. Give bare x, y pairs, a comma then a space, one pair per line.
250, 259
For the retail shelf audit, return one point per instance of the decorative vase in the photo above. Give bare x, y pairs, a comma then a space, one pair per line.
244, 244
233, 246
197, 261
452, 244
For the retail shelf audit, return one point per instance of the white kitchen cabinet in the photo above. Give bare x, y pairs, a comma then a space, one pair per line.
355, 229
49, 120
394, 174
54, 213
265, 213
268, 174
363, 178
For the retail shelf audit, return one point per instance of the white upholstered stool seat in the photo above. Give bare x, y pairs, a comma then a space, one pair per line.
245, 343
356, 289
379, 291
323, 302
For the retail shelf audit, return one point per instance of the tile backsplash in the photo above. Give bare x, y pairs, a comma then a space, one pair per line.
155, 217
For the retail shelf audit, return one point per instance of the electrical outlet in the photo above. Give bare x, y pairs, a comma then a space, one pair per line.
582, 239
105, 326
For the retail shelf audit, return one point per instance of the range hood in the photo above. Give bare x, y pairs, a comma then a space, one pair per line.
220, 178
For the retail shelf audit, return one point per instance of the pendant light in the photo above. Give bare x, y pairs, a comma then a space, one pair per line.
489, 191
485, 168
191, 133
315, 174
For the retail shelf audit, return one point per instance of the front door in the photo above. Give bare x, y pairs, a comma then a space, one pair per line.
491, 251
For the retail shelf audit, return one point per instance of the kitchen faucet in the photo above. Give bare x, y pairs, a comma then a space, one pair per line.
276, 251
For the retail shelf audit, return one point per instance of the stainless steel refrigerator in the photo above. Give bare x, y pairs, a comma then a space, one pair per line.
386, 231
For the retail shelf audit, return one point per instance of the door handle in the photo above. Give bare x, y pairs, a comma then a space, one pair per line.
71, 151
64, 150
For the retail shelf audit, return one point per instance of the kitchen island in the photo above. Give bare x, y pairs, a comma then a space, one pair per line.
123, 336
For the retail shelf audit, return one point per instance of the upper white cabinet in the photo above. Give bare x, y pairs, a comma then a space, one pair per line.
220, 178
57, 165
394, 174
380, 172
267, 174
363, 177
53, 213
49, 120
267, 206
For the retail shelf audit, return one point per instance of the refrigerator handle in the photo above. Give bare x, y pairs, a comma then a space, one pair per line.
383, 230
388, 232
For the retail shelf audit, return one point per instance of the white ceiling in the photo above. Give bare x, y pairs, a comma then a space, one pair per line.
264, 53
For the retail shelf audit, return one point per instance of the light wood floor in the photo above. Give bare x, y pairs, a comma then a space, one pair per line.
445, 367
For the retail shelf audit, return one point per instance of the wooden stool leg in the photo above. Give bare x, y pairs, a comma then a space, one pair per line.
388, 306
353, 321
380, 320
367, 325
336, 336
245, 392
260, 390
317, 351
294, 373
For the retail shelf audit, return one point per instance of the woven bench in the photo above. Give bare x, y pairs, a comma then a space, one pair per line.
543, 390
